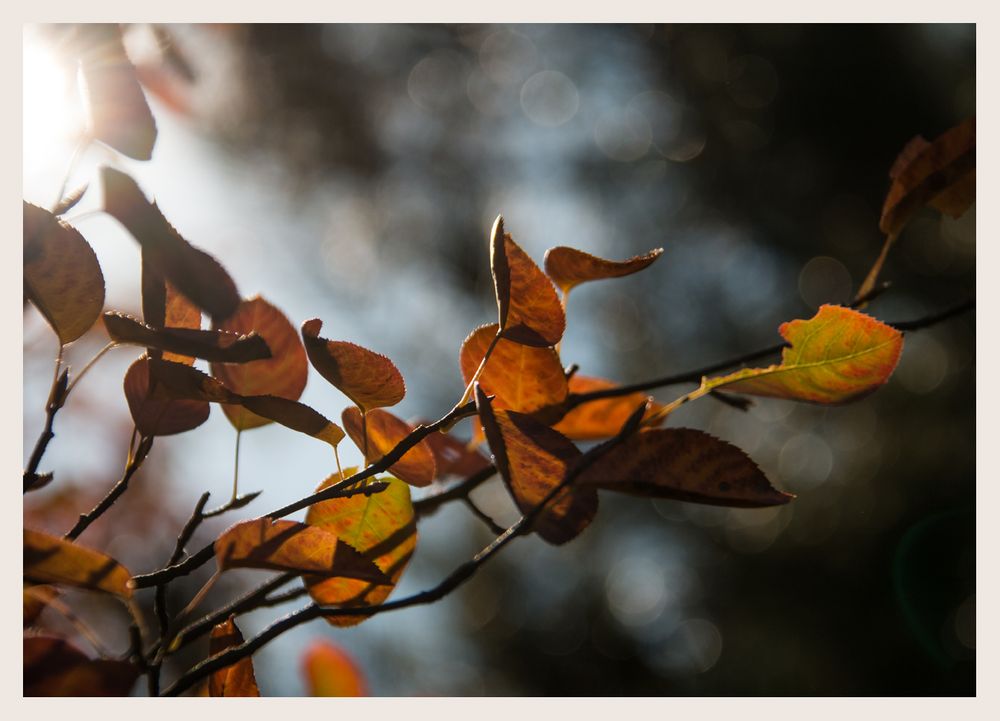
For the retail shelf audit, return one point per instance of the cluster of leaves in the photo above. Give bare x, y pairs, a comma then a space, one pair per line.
360, 530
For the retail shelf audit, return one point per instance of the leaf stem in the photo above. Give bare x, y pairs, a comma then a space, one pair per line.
236, 466
90, 365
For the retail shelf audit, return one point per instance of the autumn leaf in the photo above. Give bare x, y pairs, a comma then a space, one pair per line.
685, 465
36, 598
62, 277
180, 313
193, 272
532, 460
118, 112
568, 267
385, 430
291, 546
155, 414
329, 671
369, 379
529, 310
48, 559
600, 418
214, 345
453, 457
283, 374
54, 667
69, 201
238, 678
381, 526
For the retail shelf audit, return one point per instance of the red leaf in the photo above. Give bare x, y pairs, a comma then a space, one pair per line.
237, 679
569, 267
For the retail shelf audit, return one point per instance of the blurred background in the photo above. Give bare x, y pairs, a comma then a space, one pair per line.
352, 172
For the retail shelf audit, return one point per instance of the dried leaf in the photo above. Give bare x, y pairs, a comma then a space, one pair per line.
283, 374
290, 546
214, 345
385, 430
381, 526
36, 598
153, 413
238, 678
568, 267
682, 464
331, 672
532, 460
369, 379
54, 667
119, 114
529, 309
48, 559
193, 272
601, 418
62, 277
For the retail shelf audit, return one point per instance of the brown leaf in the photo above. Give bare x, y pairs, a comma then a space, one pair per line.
54, 667
529, 309
686, 465
179, 313
601, 418
238, 678
119, 114
36, 598
153, 413
381, 526
331, 672
569, 267
532, 460
290, 546
453, 457
385, 430
70, 200
283, 374
48, 559
369, 379
193, 272
62, 277
214, 345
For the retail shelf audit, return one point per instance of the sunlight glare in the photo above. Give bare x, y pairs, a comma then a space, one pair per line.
52, 109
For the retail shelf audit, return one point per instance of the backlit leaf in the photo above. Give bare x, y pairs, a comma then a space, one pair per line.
529, 309
62, 277
329, 671
601, 418
385, 430
36, 598
569, 267
290, 546
682, 464
180, 313
215, 345
48, 559
70, 200
532, 460
117, 108
369, 379
283, 374
381, 526
54, 667
454, 457
237, 679
193, 272
153, 413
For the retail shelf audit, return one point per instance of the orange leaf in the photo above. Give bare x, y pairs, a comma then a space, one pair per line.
331, 672
600, 418
290, 546
48, 559
453, 457
385, 430
683, 464
283, 374
215, 345
529, 309
368, 378
237, 679
154, 414
180, 313
54, 667
195, 273
36, 598
532, 460
569, 267
62, 277
381, 526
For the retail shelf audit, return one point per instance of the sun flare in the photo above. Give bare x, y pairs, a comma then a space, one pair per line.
53, 117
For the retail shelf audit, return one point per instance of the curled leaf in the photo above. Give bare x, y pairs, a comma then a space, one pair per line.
682, 464
237, 679
48, 559
331, 672
601, 418
529, 310
568, 267
154, 413
533, 459
54, 667
214, 345
283, 374
381, 526
62, 277
385, 430
368, 378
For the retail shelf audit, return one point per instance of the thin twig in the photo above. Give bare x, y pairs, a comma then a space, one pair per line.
483, 516
160, 599
57, 396
427, 506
